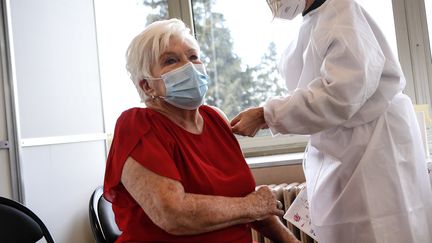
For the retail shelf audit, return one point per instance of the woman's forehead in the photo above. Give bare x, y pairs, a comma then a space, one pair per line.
180, 44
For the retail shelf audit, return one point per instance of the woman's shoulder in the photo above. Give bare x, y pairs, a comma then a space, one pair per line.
134, 112
216, 116
134, 121
133, 115
215, 111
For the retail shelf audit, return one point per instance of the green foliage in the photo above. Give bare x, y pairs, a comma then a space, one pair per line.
233, 86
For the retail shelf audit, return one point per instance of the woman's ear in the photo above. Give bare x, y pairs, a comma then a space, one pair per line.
144, 85
152, 88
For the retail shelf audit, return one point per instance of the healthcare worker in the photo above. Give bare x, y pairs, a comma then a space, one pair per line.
365, 165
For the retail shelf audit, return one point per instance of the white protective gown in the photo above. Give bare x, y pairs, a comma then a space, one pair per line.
365, 166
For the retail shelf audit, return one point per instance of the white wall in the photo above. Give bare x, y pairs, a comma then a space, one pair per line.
59, 180
59, 97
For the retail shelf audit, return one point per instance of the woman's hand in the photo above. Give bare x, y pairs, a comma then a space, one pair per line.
249, 122
263, 203
267, 223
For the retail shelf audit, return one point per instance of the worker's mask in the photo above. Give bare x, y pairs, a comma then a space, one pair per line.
186, 86
286, 9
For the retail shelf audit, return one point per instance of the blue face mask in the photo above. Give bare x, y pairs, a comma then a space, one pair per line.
186, 86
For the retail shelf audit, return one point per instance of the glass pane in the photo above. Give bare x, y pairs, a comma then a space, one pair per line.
382, 12
241, 51
117, 22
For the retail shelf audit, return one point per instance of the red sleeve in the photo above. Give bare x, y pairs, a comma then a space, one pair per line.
156, 155
134, 136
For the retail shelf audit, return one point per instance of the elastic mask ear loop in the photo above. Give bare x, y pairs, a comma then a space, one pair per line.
152, 79
153, 98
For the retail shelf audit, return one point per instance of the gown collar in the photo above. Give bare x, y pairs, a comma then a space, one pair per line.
316, 4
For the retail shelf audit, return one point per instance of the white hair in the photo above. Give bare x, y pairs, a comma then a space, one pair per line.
145, 49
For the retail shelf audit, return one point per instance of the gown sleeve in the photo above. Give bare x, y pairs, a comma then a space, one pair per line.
351, 62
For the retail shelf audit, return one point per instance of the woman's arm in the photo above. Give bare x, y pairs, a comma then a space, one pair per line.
273, 229
177, 212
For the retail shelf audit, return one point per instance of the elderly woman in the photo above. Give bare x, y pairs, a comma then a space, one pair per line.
175, 172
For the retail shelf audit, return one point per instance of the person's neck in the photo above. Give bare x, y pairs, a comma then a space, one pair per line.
189, 120
308, 4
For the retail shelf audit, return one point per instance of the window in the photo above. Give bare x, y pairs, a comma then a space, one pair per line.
117, 22
241, 51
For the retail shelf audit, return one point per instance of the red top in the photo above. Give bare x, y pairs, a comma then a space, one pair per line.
210, 163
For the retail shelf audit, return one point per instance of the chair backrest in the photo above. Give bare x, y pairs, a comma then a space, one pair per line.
19, 224
102, 221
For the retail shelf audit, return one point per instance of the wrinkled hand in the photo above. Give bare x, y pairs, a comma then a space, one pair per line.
249, 122
263, 203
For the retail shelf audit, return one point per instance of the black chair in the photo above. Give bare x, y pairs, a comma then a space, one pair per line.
101, 215
19, 224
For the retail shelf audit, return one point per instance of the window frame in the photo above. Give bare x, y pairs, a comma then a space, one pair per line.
182, 9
